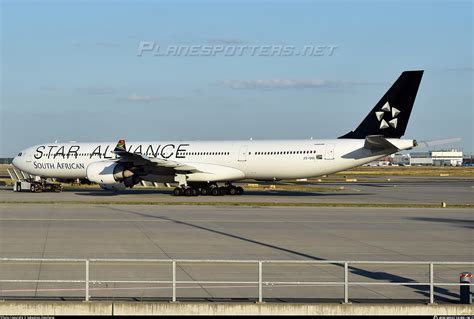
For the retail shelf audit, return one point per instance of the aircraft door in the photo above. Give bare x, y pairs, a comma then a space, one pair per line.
329, 153
243, 153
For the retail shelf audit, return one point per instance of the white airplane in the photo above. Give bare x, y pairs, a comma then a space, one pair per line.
198, 166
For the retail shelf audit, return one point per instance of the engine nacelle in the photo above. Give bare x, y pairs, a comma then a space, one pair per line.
111, 173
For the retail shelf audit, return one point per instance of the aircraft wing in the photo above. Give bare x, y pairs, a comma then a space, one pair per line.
177, 166
142, 160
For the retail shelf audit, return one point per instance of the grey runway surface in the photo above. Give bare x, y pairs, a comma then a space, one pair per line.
401, 190
224, 232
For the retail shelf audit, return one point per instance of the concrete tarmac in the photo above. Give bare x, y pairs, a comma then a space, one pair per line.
402, 190
225, 232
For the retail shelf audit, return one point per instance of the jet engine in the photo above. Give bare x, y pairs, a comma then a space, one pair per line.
111, 173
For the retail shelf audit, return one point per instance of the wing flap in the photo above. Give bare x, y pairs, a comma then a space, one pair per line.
178, 166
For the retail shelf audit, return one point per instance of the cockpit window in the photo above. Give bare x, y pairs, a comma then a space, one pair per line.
19, 154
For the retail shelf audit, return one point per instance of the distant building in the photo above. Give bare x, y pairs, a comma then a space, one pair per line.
6, 160
421, 159
468, 160
401, 159
447, 158
437, 158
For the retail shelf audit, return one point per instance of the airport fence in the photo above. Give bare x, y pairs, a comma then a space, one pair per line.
257, 267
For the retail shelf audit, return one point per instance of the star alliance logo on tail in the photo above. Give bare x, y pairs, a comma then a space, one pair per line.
380, 114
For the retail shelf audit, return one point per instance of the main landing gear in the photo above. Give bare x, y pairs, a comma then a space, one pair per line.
208, 189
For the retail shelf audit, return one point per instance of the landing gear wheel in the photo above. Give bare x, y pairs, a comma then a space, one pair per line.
232, 190
188, 191
223, 191
194, 192
205, 191
178, 191
216, 191
239, 190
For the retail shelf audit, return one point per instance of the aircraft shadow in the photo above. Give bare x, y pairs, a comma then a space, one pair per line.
441, 294
298, 193
105, 193
465, 223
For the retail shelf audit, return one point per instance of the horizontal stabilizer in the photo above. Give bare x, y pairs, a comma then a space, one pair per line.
378, 142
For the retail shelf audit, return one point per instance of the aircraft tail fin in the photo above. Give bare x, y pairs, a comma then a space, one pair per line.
389, 117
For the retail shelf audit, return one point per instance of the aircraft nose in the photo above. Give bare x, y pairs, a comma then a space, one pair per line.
18, 161
15, 161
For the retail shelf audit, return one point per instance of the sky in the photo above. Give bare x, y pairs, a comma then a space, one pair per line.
77, 71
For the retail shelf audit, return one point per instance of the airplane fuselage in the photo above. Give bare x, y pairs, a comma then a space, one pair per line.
198, 166
243, 159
